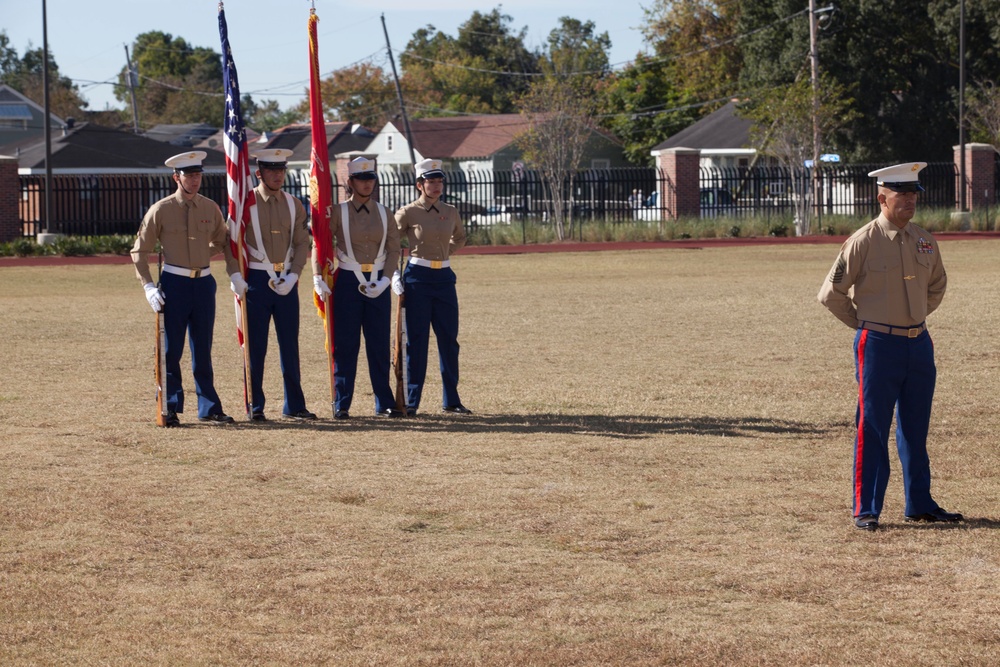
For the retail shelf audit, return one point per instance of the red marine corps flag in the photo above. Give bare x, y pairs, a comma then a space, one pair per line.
320, 195
238, 188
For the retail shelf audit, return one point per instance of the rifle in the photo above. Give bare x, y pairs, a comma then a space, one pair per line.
399, 347
160, 372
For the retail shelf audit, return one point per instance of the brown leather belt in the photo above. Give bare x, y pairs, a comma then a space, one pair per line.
909, 332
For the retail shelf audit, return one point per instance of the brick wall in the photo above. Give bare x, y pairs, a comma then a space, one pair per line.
10, 224
979, 177
680, 195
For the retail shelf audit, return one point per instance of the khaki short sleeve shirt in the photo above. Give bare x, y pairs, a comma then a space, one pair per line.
433, 229
275, 228
189, 231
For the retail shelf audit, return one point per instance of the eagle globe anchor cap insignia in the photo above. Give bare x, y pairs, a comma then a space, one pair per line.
900, 177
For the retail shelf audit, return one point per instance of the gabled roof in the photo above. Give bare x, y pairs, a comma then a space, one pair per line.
89, 146
465, 137
184, 135
341, 137
10, 97
214, 141
720, 129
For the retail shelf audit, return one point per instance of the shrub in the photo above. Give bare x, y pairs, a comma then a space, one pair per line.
24, 247
73, 246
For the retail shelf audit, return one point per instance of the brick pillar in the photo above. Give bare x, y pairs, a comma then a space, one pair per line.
980, 184
679, 194
10, 190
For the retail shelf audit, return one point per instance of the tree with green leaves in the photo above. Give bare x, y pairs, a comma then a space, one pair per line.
900, 54
784, 119
26, 73
478, 71
362, 93
642, 107
177, 82
696, 47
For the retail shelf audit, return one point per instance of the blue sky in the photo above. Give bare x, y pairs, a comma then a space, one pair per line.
269, 39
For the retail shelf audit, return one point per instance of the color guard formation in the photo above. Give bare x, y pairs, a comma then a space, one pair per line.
189, 229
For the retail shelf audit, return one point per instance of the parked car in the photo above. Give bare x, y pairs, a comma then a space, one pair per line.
494, 215
716, 202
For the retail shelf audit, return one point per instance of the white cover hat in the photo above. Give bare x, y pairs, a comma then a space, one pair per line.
361, 168
273, 158
188, 163
429, 169
900, 177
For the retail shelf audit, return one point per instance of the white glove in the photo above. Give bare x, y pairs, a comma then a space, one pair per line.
374, 290
285, 285
320, 287
154, 296
397, 283
237, 284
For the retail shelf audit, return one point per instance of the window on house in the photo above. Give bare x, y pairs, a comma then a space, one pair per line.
14, 116
388, 143
600, 163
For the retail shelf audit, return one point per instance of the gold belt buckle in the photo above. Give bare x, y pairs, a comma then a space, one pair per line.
436, 263
194, 273
367, 268
913, 333
279, 267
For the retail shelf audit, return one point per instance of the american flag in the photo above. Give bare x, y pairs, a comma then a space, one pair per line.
240, 194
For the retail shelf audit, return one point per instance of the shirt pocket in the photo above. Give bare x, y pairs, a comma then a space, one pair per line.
925, 261
882, 265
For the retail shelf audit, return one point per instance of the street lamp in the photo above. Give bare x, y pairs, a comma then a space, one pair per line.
814, 24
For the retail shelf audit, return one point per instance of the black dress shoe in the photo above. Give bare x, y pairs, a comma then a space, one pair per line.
936, 515
216, 419
172, 419
302, 415
866, 522
411, 412
341, 414
388, 412
258, 417
457, 409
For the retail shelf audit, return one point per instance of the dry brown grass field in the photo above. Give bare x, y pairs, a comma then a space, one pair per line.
656, 473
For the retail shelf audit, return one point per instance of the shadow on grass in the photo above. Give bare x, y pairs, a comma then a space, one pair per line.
623, 426
968, 524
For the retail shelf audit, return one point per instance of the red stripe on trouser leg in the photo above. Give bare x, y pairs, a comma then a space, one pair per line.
859, 448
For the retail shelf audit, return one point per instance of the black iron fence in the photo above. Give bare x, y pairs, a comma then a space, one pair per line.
101, 204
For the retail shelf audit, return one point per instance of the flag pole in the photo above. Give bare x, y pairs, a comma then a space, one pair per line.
241, 200
321, 199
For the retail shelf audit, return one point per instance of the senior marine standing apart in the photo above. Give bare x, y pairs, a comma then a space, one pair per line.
434, 231
887, 279
277, 243
190, 229
367, 244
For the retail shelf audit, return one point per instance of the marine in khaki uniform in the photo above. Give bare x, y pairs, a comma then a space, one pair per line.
367, 248
886, 280
190, 229
434, 231
277, 243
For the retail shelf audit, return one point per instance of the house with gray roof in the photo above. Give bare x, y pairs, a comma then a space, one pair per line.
22, 120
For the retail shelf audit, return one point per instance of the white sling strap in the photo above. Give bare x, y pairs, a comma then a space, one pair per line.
345, 226
260, 254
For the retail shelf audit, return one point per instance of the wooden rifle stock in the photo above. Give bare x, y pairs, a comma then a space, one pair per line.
161, 372
399, 353
160, 350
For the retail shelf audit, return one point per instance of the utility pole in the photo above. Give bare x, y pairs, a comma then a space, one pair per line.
962, 186
48, 121
133, 81
814, 72
399, 94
